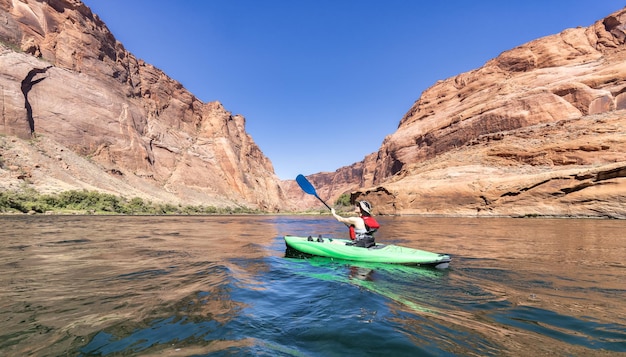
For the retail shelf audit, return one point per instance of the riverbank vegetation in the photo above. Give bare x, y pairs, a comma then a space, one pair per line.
94, 202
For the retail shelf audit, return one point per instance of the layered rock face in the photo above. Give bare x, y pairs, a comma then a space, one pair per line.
67, 82
539, 130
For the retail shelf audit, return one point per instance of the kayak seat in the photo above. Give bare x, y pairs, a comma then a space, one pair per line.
309, 238
377, 246
365, 242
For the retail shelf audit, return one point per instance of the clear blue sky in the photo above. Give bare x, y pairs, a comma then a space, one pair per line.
322, 82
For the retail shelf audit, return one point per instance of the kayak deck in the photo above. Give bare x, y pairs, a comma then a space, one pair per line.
380, 253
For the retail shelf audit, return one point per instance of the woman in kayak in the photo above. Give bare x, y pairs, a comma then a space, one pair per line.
362, 228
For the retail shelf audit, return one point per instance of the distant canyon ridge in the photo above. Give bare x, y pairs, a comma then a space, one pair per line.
539, 130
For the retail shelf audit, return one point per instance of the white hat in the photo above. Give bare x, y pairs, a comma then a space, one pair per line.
365, 206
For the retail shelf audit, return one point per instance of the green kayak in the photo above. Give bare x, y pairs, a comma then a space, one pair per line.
380, 253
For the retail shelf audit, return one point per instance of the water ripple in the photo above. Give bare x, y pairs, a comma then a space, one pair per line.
219, 286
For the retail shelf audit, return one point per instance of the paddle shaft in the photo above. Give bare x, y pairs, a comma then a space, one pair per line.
321, 200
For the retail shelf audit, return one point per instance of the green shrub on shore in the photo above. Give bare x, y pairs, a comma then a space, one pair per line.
343, 200
94, 202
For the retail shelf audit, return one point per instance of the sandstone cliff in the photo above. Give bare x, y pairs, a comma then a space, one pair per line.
539, 130
99, 118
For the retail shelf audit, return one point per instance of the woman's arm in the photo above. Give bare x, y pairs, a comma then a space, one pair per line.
357, 222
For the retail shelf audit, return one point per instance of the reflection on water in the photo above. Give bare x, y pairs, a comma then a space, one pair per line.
84, 285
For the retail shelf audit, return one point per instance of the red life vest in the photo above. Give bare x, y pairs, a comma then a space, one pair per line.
370, 224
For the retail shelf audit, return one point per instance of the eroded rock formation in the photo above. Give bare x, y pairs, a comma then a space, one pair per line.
541, 129
66, 80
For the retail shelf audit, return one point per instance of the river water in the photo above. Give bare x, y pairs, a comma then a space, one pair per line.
222, 285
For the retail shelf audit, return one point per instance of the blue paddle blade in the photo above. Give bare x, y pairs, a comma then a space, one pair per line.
305, 185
